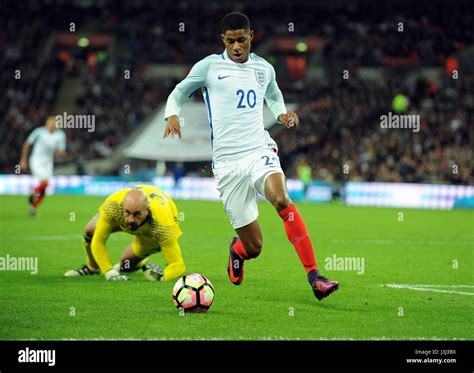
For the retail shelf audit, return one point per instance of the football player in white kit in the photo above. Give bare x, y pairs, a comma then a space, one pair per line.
47, 141
235, 84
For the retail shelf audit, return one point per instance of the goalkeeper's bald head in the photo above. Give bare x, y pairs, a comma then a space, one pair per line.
135, 208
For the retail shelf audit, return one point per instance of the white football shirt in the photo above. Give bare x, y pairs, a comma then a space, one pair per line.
46, 143
234, 94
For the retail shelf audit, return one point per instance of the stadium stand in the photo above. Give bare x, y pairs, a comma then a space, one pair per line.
340, 118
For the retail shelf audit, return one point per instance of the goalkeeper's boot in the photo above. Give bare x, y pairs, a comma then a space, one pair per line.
322, 287
235, 266
83, 271
153, 272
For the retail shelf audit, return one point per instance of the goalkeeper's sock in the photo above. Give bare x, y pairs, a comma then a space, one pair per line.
240, 250
90, 261
298, 235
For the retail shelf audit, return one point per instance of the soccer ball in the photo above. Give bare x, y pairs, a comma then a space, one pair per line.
193, 293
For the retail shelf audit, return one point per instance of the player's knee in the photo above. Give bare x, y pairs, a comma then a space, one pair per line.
253, 248
281, 202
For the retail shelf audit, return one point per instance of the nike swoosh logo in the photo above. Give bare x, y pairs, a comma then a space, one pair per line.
222, 77
233, 279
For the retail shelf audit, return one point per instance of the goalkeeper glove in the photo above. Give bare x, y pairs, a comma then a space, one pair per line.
153, 272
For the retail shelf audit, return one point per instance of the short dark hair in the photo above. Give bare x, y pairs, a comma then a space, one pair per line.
235, 21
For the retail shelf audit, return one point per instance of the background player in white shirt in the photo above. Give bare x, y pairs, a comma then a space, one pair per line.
235, 84
47, 141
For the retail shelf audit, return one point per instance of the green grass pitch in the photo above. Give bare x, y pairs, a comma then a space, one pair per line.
274, 302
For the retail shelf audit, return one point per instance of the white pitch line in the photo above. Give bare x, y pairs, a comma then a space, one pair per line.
431, 288
400, 242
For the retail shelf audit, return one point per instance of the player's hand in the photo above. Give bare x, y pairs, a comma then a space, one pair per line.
289, 119
23, 165
173, 127
114, 275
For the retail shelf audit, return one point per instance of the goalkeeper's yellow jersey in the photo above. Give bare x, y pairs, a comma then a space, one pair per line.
161, 225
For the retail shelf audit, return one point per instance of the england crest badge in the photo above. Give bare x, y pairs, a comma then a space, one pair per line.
260, 77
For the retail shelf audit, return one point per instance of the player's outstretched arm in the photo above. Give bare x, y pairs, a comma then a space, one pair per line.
182, 92
274, 100
27, 146
25, 150
173, 127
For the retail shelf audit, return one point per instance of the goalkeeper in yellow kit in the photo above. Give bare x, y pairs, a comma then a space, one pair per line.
151, 216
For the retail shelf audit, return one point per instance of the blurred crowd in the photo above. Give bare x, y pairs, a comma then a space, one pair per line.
340, 118
400, 41
30, 79
341, 135
120, 106
358, 33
